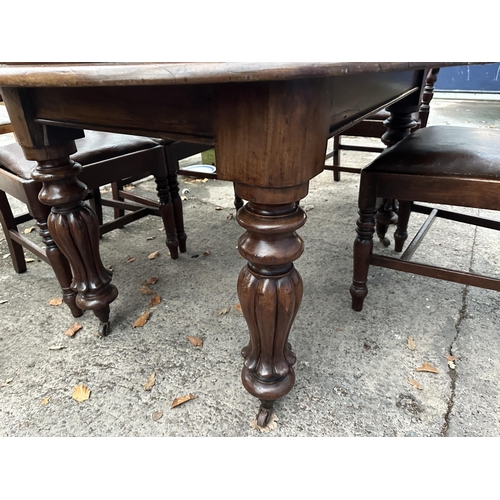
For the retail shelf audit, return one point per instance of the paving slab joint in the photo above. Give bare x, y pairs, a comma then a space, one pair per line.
452, 372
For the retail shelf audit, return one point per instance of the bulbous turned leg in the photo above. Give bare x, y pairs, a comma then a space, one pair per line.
363, 245
168, 216
270, 293
75, 230
173, 186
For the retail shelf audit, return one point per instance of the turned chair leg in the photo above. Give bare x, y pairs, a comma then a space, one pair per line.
238, 202
336, 157
116, 187
363, 245
168, 216
96, 203
401, 233
9, 224
173, 186
386, 216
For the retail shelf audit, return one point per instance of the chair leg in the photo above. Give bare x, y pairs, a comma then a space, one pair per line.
173, 186
336, 157
9, 224
386, 215
116, 187
401, 233
363, 245
167, 214
61, 267
238, 202
96, 204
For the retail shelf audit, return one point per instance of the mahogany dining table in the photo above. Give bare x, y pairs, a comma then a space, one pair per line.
269, 122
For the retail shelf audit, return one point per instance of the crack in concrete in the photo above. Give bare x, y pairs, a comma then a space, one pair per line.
453, 372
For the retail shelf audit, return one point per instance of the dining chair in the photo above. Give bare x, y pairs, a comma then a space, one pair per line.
373, 127
104, 158
174, 152
446, 165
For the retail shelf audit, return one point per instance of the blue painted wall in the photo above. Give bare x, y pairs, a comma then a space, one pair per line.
479, 78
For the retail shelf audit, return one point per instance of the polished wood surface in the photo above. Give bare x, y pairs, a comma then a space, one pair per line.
269, 123
146, 74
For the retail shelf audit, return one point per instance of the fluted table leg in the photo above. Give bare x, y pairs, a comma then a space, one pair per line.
270, 292
75, 230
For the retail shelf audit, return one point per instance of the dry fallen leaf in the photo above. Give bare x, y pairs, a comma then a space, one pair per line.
141, 320
207, 252
149, 238
44, 401
150, 383
28, 230
412, 345
55, 302
81, 393
150, 281
196, 341
154, 301
3, 301
146, 291
130, 259
224, 311
129, 187
218, 208
415, 384
153, 255
73, 329
157, 415
451, 358
179, 401
57, 347
426, 367
230, 217
29, 259
7, 382
237, 307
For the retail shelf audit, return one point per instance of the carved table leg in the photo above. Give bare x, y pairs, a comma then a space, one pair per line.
75, 230
61, 268
270, 292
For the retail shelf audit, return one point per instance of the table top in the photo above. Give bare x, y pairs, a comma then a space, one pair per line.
126, 74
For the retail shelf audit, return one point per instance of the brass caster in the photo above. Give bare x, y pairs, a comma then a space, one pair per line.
263, 417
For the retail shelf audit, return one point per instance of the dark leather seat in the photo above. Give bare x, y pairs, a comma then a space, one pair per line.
444, 151
93, 148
